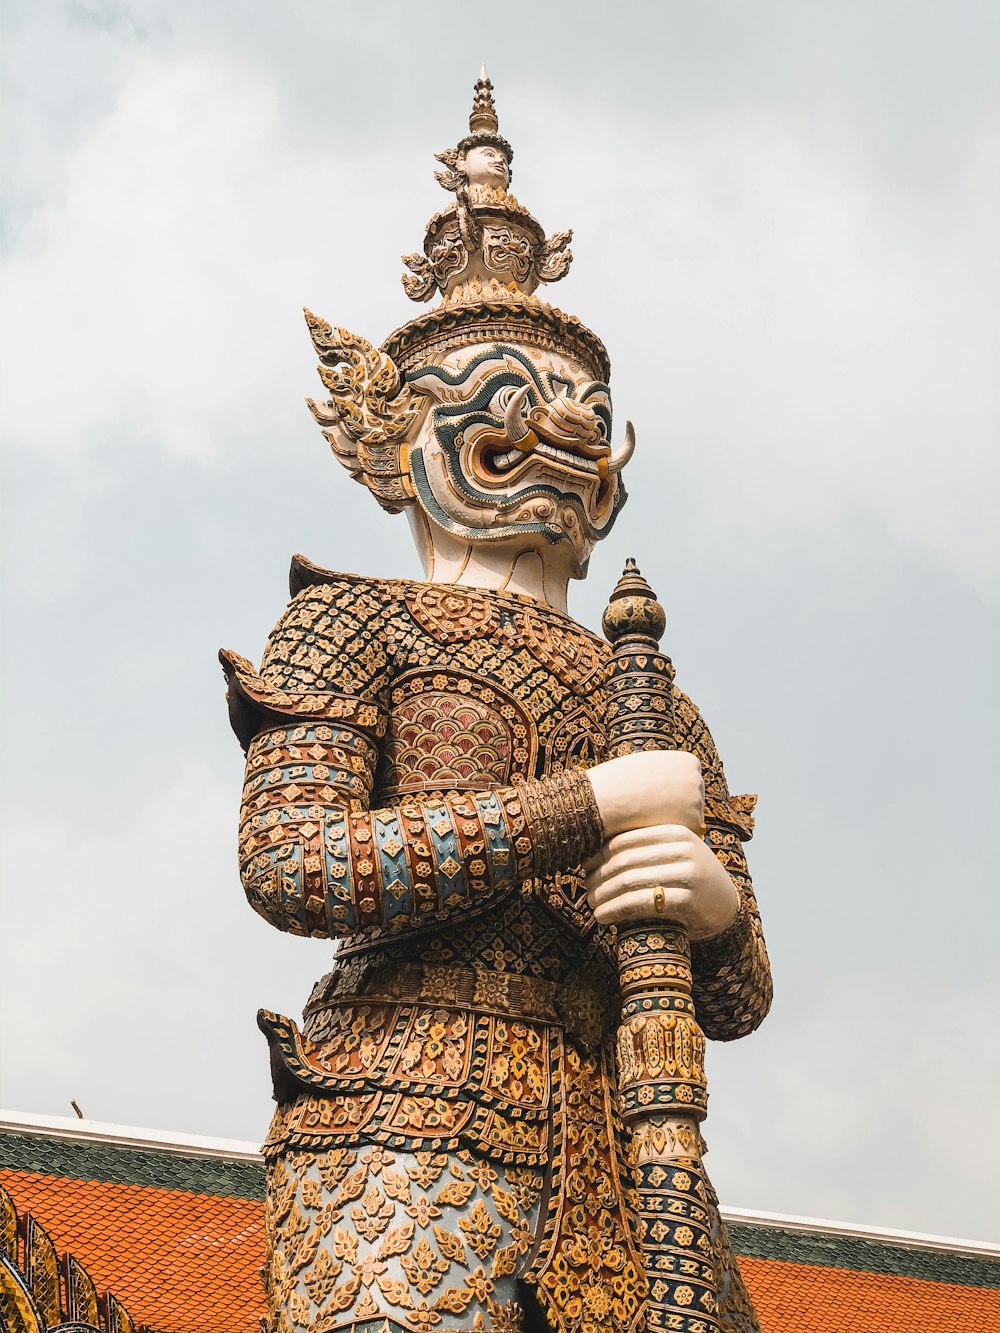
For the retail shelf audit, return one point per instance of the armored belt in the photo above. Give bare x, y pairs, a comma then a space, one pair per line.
581, 1005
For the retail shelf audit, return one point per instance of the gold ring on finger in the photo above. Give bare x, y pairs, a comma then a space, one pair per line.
659, 901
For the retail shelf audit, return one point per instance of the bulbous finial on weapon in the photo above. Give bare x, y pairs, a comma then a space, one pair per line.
634, 619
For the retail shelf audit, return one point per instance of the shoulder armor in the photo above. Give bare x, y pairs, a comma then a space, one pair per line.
736, 812
303, 573
721, 806
254, 702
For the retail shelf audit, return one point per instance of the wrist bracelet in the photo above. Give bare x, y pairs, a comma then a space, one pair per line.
563, 820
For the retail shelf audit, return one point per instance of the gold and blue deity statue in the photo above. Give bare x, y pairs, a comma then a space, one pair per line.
520, 835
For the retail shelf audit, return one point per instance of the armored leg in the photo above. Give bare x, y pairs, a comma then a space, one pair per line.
361, 1235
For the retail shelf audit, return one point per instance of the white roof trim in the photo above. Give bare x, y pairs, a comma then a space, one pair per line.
126, 1136
236, 1150
913, 1240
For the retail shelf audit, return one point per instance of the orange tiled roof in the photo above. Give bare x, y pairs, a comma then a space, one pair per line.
179, 1261
185, 1261
807, 1298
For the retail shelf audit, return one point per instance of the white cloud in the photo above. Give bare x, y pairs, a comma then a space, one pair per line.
801, 336
161, 296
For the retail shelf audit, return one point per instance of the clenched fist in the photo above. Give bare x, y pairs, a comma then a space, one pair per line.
652, 787
664, 873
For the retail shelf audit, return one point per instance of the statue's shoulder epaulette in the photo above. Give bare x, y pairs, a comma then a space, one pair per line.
721, 806
304, 573
302, 674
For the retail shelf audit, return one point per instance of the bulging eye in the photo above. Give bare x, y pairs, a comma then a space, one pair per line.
501, 399
600, 405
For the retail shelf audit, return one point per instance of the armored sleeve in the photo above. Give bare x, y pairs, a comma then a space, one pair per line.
732, 975
315, 857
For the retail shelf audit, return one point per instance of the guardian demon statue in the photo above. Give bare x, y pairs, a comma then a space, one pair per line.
522, 839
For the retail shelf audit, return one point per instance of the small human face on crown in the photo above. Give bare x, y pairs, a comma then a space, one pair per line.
485, 164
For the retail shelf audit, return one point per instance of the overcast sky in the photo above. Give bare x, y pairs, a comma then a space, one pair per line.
786, 219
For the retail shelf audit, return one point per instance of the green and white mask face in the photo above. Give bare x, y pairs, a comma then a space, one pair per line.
516, 441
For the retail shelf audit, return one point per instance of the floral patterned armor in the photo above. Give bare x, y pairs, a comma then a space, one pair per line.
448, 1150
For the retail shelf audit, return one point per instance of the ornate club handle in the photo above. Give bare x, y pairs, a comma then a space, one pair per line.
660, 1047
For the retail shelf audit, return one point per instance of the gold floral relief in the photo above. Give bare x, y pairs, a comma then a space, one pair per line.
424, 1239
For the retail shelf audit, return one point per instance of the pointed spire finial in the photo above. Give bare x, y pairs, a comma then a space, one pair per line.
483, 119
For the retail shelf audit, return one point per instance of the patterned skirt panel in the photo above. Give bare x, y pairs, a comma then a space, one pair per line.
425, 1240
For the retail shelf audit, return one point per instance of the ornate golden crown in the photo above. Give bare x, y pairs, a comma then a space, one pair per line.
485, 255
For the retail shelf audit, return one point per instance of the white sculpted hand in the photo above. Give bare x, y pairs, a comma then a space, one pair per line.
652, 787
664, 873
